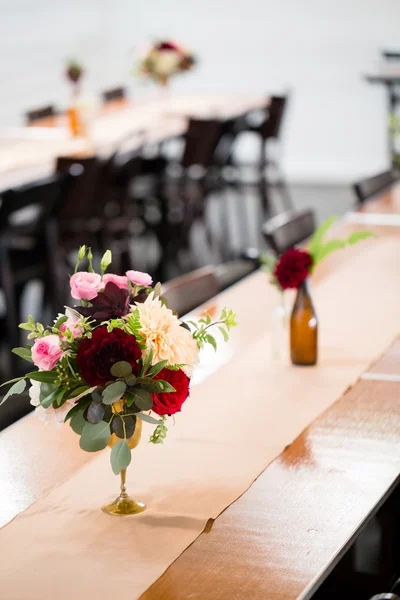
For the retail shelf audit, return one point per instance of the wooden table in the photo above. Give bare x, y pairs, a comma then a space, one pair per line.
30, 152
286, 533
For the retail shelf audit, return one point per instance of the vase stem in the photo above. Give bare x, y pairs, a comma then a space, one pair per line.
123, 484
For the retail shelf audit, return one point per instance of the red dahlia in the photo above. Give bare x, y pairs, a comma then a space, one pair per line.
168, 403
292, 268
97, 355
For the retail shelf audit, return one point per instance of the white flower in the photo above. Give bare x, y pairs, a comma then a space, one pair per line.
51, 414
163, 333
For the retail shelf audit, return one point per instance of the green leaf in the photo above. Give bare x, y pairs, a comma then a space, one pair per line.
224, 333
48, 400
130, 399
160, 432
123, 426
211, 340
24, 353
60, 321
12, 381
95, 437
157, 368
90, 260
121, 369
358, 236
268, 262
166, 387
120, 456
147, 362
151, 385
94, 412
60, 396
148, 418
78, 422
114, 392
319, 234
105, 261
43, 376
79, 391
80, 406
143, 399
130, 379
17, 388
326, 249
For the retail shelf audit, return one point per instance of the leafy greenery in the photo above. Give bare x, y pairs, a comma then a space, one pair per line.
121, 369
120, 456
17, 388
105, 261
319, 249
25, 353
95, 437
160, 432
225, 322
114, 392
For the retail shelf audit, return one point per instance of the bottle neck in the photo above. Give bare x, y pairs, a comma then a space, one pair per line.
303, 298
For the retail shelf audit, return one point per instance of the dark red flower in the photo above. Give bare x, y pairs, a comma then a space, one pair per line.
97, 355
167, 46
168, 403
74, 71
110, 303
292, 268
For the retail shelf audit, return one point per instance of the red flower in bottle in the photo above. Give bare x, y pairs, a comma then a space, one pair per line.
292, 268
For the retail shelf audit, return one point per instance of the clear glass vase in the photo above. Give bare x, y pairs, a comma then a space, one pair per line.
280, 329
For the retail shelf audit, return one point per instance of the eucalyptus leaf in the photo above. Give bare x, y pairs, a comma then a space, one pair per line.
78, 422
130, 379
143, 398
114, 392
130, 402
12, 381
120, 456
17, 388
148, 418
95, 437
80, 406
24, 353
121, 369
94, 412
123, 426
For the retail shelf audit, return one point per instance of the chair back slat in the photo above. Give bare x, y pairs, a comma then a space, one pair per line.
201, 140
370, 186
117, 93
43, 196
271, 127
186, 292
288, 229
40, 113
83, 201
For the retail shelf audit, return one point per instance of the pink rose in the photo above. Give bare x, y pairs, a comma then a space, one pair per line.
120, 280
139, 278
74, 327
85, 286
46, 352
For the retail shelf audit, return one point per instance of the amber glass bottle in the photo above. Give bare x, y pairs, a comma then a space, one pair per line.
303, 329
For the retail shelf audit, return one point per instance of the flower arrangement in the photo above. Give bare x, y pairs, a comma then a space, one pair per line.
165, 59
74, 72
293, 267
118, 358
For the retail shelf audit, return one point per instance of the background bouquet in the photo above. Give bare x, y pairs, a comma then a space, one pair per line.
118, 358
165, 59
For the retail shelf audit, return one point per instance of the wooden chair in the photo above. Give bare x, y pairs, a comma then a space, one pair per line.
25, 248
233, 271
117, 93
186, 292
369, 187
201, 139
40, 113
288, 229
13, 409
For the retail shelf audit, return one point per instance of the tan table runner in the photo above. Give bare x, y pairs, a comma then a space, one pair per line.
236, 422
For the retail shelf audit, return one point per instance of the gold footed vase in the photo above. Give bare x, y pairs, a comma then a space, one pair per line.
124, 504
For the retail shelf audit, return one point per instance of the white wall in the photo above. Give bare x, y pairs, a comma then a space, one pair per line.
319, 48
